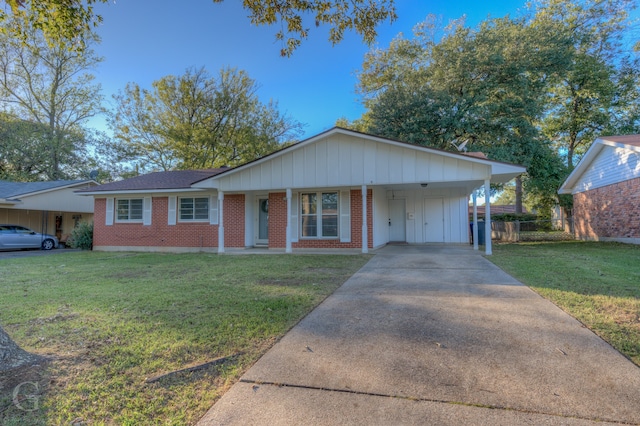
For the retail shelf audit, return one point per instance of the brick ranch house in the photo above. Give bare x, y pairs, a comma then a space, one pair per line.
606, 190
338, 189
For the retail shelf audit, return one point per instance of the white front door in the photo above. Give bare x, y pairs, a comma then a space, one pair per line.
433, 220
397, 223
262, 221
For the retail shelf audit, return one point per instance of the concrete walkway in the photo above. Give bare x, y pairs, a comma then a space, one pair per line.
434, 335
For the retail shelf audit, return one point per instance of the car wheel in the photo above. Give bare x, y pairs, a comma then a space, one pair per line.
47, 244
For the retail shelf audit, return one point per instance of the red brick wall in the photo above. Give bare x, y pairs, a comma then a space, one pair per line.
278, 219
612, 211
234, 218
160, 234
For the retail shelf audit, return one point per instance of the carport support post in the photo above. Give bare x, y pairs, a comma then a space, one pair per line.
475, 220
220, 222
487, 217
288, 231
365, 240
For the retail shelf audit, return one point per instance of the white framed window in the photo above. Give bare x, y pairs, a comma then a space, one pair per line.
129, 210
319, 214
194, 209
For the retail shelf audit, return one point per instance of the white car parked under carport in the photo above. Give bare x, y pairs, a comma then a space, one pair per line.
15, 237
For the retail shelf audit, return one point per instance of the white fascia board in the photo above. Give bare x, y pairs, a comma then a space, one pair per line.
569, 183
10, 201
57, 188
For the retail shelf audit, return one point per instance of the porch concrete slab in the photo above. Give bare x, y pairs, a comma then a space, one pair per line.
421, 335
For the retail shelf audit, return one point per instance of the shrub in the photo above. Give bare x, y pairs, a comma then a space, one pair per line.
511, 217
82, 236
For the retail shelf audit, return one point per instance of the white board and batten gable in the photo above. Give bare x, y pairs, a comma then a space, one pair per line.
609, 160
343, 158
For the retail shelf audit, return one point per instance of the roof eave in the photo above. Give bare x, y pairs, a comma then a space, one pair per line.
141, 191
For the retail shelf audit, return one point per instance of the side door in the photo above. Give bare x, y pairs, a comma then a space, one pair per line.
433, 220
397, 221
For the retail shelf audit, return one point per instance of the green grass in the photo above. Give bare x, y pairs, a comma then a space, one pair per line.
109, 321
596, 283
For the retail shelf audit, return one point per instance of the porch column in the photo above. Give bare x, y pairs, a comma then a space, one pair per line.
288, 231
487, 217
365, 239
475, 220
220, 222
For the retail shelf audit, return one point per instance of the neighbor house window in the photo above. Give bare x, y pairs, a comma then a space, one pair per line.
129, 210
194, 209
319, 214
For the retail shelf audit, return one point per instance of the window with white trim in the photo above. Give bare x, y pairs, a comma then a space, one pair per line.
129, 210
194, 209
319, 215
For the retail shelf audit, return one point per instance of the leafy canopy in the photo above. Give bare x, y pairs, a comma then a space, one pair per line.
70, 19
196, 121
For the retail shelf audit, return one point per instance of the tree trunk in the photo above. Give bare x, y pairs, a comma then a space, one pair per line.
13, 356
518, 194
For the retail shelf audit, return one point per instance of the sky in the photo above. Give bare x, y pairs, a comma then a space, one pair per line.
143, 41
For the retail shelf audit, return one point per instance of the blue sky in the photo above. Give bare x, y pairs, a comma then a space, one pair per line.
143, 41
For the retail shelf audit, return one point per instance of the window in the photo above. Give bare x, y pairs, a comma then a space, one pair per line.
129, 210
194, 209
319, 214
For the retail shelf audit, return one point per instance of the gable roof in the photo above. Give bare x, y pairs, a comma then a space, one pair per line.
599, 171
340, 130
13, 190
341, 157
197, 180
156, 181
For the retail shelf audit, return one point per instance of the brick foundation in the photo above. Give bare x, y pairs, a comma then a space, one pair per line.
612, 211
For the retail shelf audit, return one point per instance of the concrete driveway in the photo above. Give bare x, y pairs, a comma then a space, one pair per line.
434, 335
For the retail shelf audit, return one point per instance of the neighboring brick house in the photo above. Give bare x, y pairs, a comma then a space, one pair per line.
606, 190
339, 189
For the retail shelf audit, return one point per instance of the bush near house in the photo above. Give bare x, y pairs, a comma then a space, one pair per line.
82, 236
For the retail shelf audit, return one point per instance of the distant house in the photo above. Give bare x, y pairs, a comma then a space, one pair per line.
339, 189
606, 190
48, 207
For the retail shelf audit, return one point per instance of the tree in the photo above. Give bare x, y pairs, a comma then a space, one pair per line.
47, 94
599, 85
197, 121
13, 356
484, 87
71, 19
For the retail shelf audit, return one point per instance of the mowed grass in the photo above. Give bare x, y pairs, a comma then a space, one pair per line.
596, 283
109, 321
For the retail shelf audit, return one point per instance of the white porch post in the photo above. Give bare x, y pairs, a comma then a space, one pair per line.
487, 217
288, 231
220, 222
475, 220
365, 239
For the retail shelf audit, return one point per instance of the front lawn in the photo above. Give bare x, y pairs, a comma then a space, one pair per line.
110, 321
596, 283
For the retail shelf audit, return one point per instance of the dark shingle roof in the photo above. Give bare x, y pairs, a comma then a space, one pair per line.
10, 189
176, 179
